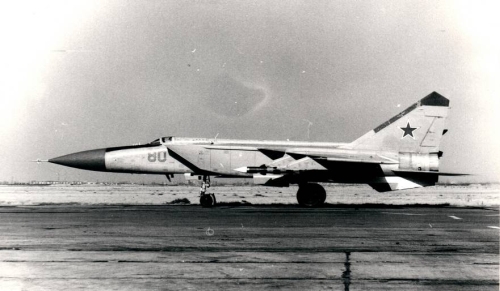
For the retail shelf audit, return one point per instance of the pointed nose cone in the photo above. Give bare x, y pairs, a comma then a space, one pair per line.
88, 160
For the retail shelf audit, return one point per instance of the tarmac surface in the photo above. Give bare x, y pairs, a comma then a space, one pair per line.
166, 247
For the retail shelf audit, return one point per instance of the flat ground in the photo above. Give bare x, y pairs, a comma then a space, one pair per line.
166, 247
474, 195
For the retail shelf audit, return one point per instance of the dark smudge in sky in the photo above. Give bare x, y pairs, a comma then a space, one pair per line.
229, 97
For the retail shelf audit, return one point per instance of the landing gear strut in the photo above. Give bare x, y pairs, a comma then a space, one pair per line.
311, 195
206, 200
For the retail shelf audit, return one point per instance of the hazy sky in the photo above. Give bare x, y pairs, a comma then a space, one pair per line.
78, 75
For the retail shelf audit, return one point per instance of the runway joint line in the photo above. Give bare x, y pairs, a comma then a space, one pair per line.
346, 275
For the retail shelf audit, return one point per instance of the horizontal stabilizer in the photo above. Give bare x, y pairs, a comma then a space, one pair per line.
392, 183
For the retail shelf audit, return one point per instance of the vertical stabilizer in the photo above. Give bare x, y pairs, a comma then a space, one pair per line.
417, 129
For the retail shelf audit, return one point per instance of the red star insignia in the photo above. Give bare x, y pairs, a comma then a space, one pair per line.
408, 130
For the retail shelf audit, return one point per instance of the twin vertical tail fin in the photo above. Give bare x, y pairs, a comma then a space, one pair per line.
414, 134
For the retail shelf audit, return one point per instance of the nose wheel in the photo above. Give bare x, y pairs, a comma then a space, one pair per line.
206, 200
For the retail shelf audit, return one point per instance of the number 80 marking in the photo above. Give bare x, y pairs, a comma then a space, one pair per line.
160, 156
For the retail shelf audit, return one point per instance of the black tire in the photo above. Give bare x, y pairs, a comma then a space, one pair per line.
207, 200
311, 195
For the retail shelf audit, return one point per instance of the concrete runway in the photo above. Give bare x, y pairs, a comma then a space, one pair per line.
248, 248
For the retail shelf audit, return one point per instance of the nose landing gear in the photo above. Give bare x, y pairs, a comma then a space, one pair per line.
206, 200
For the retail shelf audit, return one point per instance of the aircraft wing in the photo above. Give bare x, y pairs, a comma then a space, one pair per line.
315, 162
382, 168
335, 155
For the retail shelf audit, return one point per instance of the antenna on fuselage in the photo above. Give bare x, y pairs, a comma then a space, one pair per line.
215, 138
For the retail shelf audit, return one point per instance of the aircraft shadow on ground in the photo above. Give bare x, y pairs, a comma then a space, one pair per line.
326, 205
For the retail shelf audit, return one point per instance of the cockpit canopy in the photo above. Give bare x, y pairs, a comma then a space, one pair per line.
162, 140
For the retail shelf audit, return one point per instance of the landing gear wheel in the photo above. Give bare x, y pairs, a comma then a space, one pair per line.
207, 200
311, 195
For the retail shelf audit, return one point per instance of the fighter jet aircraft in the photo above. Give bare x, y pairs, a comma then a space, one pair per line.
401, 153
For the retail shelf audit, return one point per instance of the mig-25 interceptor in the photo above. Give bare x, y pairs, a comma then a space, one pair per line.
401, 153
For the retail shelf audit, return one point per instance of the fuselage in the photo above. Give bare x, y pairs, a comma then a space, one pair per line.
226, 158
220, 156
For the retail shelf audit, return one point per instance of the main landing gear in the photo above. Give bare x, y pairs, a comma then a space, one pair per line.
311, 195
206, 200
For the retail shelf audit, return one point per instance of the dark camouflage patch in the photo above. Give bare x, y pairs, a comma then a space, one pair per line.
392, 120
435, 99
